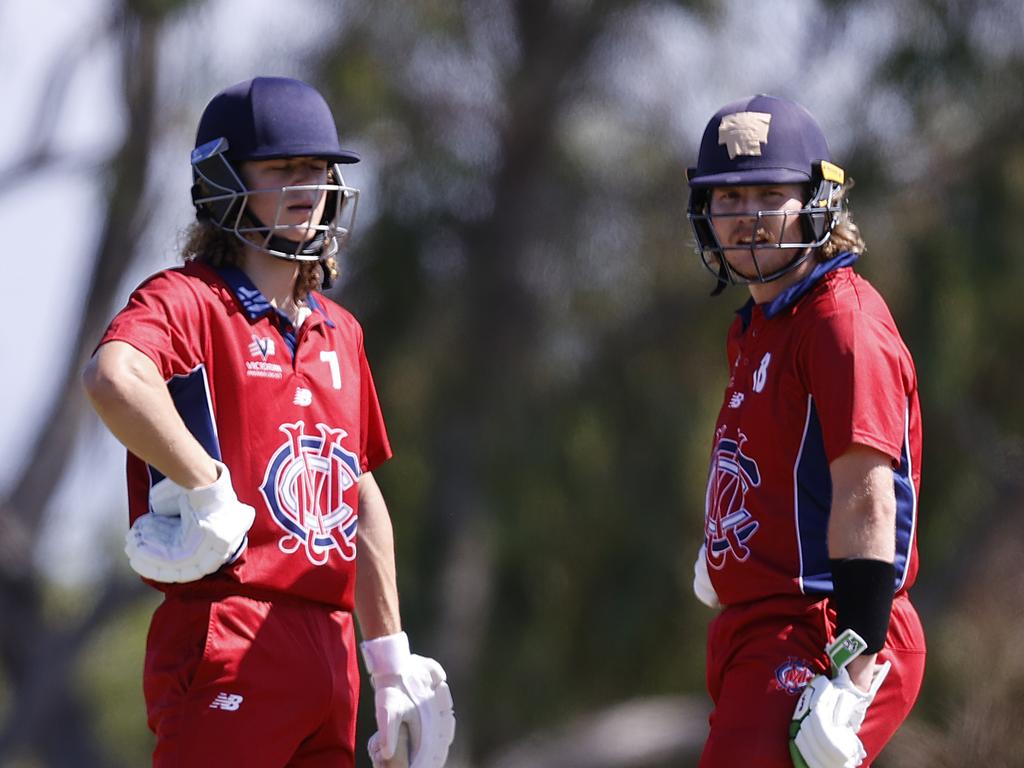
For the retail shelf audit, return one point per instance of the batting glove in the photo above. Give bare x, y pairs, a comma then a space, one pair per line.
830, 712
702, 586
411, 700
189, 532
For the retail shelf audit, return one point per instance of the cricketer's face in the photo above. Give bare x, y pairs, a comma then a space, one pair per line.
275, 200
749, 220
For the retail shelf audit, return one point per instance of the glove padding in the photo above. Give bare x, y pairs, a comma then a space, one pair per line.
702, 586
412, 697
189, 532
830, 712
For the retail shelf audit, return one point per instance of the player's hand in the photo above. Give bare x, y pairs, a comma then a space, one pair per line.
189, 532
830, 712
702, 586
411, 695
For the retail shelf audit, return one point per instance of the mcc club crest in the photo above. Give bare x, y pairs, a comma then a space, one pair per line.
305, 486
727, 522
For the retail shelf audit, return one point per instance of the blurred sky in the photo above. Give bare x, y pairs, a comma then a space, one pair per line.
54, 216
677, 71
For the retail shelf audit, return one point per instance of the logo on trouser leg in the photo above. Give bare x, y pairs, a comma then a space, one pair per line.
229, 702
792, 676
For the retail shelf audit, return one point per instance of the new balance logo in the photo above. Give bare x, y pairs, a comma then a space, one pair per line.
736, 400
302, 396
261, 348
229, 702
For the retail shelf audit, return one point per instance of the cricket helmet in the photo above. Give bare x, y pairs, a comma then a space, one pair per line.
264, 119
756, 141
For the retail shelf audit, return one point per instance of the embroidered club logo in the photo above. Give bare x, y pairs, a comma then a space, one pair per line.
305, 487
792, 676
728, 525
261, 347
743, 133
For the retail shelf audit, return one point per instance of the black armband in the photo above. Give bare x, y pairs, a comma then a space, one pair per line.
862, 596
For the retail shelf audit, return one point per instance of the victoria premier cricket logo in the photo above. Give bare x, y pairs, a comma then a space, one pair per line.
727, 523
305, 486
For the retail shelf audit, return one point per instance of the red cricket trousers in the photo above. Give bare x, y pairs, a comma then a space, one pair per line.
759, 657
237, 681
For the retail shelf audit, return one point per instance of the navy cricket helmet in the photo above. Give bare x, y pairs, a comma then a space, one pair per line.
264, 119
757, 141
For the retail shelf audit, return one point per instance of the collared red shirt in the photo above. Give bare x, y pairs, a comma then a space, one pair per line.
292, 412
819, 369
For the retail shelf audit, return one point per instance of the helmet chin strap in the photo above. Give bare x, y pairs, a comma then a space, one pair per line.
723, 278
312, 247
315, 246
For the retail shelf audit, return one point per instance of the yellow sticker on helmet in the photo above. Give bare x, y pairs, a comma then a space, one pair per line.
831, 172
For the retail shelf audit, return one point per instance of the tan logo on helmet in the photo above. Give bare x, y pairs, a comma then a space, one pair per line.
743, 133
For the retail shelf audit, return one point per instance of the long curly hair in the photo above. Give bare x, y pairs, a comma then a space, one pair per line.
845, 235
208, 244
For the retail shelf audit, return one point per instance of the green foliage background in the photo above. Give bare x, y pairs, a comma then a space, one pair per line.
550, 364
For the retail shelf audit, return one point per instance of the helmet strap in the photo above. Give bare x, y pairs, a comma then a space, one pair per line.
312, 247
325, 280
723, 277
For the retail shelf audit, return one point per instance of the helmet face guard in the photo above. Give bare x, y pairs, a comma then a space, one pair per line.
764, 140
222, 198
818, 216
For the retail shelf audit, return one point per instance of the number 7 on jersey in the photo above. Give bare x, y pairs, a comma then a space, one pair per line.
330, 357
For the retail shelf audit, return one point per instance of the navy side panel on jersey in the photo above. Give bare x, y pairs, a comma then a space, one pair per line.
814, 504
813, 493
191, 396
906, 507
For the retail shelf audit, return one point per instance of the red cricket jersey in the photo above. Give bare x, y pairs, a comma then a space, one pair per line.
813, 372
293, 414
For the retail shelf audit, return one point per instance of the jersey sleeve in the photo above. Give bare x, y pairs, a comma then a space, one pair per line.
375, 448
859, 379
163, 319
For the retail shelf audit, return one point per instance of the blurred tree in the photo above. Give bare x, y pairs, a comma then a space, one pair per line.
538, 479
550, 365
549, 470
945, 190
40, 645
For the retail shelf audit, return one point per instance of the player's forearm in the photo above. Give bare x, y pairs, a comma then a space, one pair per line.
861, 670
131, 398
862, 527
862, 523
376, 582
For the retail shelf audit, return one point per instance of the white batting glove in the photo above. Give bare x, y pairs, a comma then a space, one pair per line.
702, 586
189, 532
830, 712
411, 696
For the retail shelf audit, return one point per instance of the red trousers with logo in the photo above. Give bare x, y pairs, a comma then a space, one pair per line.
235, 681
760, 655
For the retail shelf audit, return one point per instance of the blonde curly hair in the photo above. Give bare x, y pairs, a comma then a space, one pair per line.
208, 244
845, 235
